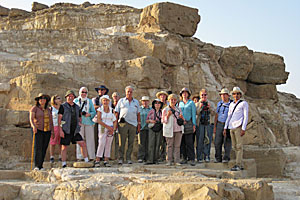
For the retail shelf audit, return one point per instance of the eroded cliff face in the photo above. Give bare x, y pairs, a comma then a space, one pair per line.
67, 46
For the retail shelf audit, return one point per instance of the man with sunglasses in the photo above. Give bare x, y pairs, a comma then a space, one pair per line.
220, 119
237, 122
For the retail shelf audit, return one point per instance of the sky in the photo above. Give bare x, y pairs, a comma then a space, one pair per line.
271, 26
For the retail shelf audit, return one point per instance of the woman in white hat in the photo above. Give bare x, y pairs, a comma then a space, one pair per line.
107, 125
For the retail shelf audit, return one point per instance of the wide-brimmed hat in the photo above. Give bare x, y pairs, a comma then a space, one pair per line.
195, 96
161, 92
70, 92
104, 97
224, 91
102, 87
185, 90
236, 90
145, 98
157, 100
42, 95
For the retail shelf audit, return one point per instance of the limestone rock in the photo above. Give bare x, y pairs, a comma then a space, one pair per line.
268, 69
32, 191
262, 91
83, 164
87, 4
171, 17
15, 12
9, 191
38, 6
237, 62
17, 118
4, 11
4, 87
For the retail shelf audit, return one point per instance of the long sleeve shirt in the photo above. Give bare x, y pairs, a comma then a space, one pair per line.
239, 117
188, 110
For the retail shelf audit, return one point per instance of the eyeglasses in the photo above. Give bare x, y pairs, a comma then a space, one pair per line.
84, 92
203, 95
236, 93
58, 98
43, 98
157, 102
102, 89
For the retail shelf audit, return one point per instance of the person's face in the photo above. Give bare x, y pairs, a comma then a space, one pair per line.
163, 97
225, 97
145, 104
105, 102
42, 100
83, 93
115, 98
195, 100
70, 98
185, 95
57, 100
129, 93
236, 95
172, 101
203, 96
157, 105
101, 92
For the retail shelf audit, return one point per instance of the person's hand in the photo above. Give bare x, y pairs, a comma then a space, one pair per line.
110, 129
242, 132
181, 116
138, 128
169, 113
52, 135
61, 133
34, 129
87, 115
224, 132
152, 121
215, 130
194, 128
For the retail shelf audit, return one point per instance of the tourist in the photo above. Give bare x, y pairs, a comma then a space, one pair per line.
237, 122
172, 131
107, 125
188, 109
195, 98
55, 104
204, 134
69, 118
87, 125
163, 96
144, 133
128, 115
155, 131
115, 97
42, 126
220, 119
101, 90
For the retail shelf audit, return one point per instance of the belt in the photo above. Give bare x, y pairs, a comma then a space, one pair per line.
221, 122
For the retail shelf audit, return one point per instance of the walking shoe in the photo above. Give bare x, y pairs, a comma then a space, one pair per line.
120, 162
217, 161
225, 161
64, 166
200, 161
235, 168
106, 164
51, 160
97, 164
169, 163
140, 161
184, 161
129, 162
42, 169
192, 163
59, 160
177, 164
207, 160
36, 169
148, 163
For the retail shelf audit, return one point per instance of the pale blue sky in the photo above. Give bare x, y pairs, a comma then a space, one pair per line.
271, 26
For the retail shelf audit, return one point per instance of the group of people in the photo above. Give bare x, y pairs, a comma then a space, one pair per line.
167, 128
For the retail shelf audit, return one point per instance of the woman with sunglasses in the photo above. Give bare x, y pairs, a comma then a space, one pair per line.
42, 126
55, 104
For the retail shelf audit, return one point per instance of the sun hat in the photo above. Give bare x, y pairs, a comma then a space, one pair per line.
157, 100
102, 87
104, 97
42, 95
224, 91
195, 96
70, 92
185, 90
145, 98
236, 90
161, 92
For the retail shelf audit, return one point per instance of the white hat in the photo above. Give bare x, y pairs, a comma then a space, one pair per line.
224, 91
145, 98
104, 97
236, 90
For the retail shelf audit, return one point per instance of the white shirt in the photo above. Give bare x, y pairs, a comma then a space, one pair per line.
54, 116
239, 117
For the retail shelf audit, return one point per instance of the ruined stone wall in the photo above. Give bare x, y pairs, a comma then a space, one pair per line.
68, 46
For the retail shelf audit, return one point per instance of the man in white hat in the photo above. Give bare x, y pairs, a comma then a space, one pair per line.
220, 119
237, 122
143, 146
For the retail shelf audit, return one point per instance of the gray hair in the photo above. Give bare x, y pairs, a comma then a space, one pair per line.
115, 94
83, 88
129, 86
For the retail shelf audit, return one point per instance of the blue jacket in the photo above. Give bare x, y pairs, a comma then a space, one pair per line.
91, 110
188, 110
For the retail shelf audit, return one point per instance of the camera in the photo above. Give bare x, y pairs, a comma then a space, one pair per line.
205, 103
173, 111
83, 113
122, 120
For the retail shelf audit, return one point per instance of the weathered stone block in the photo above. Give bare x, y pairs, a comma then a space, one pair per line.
38, 6
264, 91
4, 11
268, 69
237, 62
15, 12
171, 17
4, 87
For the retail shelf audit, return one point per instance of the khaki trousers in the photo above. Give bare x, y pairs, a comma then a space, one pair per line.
87, 134
237, 144
126, 132
173, 147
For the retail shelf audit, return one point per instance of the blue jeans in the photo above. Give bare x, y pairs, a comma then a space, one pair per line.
203, 150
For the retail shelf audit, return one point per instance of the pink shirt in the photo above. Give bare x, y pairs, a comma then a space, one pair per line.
176, 127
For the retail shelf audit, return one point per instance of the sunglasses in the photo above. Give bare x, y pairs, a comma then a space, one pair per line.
43, 98
58, 98
204, 95
102, 89
157, 103
236, 93
84, 92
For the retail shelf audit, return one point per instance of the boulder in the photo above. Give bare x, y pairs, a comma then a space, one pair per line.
262, 91
4, 11
8, 191
38, 6
87, 4
83, 164
15, 12
268, 69
4, 87
17, 118
172, 17
237, 62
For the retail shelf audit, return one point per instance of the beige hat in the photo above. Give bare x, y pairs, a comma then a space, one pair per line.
236, 90
161, 92
145, 98
104, 97
115, 94
42, 95
224, 91
70, 92
185, 90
